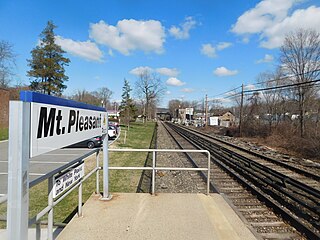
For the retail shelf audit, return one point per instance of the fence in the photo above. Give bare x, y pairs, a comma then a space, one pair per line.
53, 175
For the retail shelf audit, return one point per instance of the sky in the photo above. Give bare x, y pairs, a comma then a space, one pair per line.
197, 47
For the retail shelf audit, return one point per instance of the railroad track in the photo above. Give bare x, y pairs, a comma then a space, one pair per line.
260, 189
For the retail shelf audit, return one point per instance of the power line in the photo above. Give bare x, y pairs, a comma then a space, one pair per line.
282, 86
247, 92
286, 77
230, 91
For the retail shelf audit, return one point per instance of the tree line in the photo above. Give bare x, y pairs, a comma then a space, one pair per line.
285, 106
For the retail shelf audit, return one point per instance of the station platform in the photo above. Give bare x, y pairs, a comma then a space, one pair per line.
177, 216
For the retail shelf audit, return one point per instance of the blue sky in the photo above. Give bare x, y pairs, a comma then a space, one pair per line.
198, 47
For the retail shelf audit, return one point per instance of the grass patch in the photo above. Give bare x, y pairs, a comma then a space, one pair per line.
138, 136
4, 133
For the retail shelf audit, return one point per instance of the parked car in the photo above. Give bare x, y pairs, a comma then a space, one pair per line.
114, 128
89, 143
112, 133
115, 125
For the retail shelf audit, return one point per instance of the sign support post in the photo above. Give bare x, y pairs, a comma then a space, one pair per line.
18, 170
106, 195
38, 124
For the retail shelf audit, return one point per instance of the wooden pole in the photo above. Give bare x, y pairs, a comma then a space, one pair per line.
241, 112
206, 121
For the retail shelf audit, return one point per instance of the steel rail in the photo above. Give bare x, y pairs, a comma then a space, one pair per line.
262, 170
191, 160
263, 185
284, 178
275, 161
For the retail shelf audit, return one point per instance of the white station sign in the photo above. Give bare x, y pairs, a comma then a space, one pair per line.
54, 126
67, 180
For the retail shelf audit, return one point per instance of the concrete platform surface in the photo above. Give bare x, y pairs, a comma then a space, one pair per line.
164, 216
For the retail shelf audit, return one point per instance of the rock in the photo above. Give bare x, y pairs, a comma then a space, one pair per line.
163, 186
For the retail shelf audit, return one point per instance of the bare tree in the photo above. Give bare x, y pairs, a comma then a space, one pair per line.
149, 89
300, 56
7, 63
174, 105
104, 94
86, 97
272, 100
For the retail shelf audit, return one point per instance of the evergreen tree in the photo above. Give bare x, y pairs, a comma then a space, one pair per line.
127, 107
47, 64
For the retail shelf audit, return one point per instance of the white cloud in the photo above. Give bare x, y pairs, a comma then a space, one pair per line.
300, 19
267, 58
210, 51
222, 71
182, 32
174, 82
130, 35
270, 19
221, 100
250, 87
265, 14
170, 72
187, 90
168, 92
223, 45
140, 70
87, 50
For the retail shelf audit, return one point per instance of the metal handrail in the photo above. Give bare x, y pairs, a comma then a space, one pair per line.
154, 168
50, 176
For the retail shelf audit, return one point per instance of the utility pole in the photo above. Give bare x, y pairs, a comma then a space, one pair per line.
206, 119
241, 112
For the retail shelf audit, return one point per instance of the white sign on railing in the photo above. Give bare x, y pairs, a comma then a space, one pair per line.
67, 180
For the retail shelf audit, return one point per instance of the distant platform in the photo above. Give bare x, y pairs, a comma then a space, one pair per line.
164, 216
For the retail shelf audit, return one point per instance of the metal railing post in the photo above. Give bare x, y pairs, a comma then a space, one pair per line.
97, 174
38, 231
80, 200
50, 204
153, 171
208, 177
106, 195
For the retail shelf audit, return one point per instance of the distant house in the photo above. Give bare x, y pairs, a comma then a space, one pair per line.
224, 119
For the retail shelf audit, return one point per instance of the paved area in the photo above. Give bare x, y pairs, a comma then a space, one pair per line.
39, 165
31, 234
164, 216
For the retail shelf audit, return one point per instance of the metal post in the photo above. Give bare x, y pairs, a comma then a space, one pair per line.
18, 170
153, 171
97, 174
38, 231
106, 195
208, 177
80, 200
50, 204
